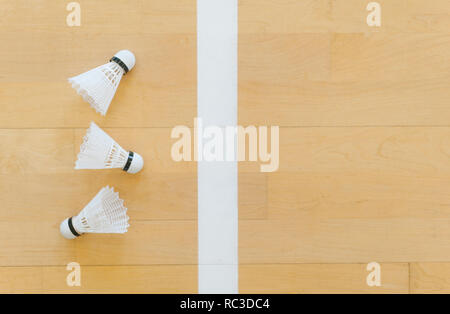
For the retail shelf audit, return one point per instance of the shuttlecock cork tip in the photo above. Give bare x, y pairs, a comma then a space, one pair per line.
127, 57
134, 164
65, 229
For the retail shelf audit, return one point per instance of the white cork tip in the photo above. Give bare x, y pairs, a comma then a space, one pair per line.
137, 164
127, 57
65, 230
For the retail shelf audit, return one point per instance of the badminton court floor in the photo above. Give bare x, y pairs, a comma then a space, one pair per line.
364, 119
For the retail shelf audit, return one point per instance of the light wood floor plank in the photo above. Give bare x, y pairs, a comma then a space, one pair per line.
306, 103
144, 17
321, 278
100, 279
36, 242
37, 164
252, 195
293, 58
37, 174
430, 278
152, 197
344, 240
36, 151
284, 16
156, 197
389, 57
405, 87
363, 169
357, 196
138, 103
43, 52
354, 195
38, 145
341, 16
401, 16
54, 151
403, 151
373, 188
361, 173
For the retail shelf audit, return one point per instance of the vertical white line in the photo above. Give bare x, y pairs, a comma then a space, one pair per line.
217, 33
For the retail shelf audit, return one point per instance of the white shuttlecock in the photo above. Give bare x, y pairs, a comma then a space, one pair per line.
100, 151
98, 86
104, 214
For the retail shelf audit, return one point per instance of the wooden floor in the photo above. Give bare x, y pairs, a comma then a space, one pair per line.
364, 146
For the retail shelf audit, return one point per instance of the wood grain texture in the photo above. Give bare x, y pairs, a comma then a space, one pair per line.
321, 278
341, 16
430, 278
100, 279
38, 243
320, 64
364, 149
379, 193
43, 120
43, 52
164, 190
360, 80
344, 240
358, 173
363, 115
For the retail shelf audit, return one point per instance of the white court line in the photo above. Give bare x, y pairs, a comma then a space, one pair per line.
217, 33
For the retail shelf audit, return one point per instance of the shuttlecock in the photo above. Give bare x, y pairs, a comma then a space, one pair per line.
105, 213
100, 151
98, 86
